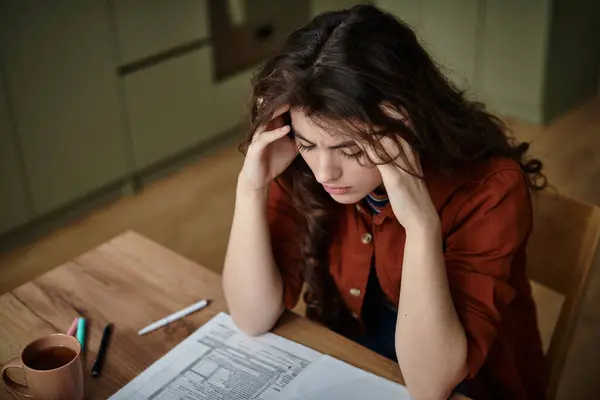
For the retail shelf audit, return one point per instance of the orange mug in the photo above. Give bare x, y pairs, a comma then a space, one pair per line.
53, 369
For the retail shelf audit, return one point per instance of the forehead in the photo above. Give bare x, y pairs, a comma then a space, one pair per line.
317, 131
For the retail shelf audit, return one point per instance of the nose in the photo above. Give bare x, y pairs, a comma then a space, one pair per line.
327, 169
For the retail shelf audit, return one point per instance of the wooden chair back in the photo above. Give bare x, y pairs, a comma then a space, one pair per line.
562, 250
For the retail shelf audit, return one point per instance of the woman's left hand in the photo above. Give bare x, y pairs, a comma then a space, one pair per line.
408, 194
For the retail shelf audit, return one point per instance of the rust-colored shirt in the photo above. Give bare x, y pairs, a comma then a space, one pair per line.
486, 218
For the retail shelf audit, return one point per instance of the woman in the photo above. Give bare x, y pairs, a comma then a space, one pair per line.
399, 204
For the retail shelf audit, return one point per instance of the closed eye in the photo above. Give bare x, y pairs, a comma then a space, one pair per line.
302, 147
348, 153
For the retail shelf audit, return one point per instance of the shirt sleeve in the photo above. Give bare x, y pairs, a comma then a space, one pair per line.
490, 229
284, 233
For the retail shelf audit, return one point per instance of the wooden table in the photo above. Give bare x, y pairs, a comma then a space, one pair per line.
130, 282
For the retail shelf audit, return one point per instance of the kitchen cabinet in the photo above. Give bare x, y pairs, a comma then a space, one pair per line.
513, 65
146, 28
320, 6
540, 57
59, 69
457, 51
532, 60
232, 97
171, 107
14, 209
432, 20
409, 11
448, 30
573, 56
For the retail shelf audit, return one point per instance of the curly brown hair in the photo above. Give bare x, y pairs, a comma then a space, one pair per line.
341, 68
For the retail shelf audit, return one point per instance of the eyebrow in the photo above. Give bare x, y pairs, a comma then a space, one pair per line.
348, 143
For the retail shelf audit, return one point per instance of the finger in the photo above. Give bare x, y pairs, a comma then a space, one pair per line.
412, 158
390, 146
368, 150
408, 150
268, 137
280, 111
401, 153
277, 120
274, 122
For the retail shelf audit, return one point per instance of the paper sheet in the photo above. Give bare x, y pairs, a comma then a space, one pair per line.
332, 379
219, 362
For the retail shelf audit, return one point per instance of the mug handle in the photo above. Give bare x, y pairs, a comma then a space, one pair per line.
9, 384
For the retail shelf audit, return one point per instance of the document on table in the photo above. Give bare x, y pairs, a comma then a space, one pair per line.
329, 378
219, 362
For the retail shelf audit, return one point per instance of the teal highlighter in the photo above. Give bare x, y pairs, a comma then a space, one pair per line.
81, 332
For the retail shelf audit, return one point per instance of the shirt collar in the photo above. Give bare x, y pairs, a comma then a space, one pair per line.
440, 186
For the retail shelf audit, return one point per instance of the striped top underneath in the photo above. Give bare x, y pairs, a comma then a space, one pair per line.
375, 202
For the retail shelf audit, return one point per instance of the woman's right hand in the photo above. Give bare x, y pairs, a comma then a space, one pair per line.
269, 154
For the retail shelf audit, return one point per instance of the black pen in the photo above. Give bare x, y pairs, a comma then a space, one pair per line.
97, 366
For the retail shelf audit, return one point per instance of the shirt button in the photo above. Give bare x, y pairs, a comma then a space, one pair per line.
355, 315
355, 292
366, 238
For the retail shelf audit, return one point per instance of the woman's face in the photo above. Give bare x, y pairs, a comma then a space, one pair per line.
333, 160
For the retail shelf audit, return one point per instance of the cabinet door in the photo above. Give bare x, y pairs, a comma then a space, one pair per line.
13, 206
232, 97
171, 107
448, 30
409, 11
146, 27
514, 54
60, 73
320, 6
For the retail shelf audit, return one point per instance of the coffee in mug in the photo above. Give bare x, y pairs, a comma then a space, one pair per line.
53, 369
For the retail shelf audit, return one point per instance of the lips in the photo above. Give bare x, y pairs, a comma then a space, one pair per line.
336, 190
